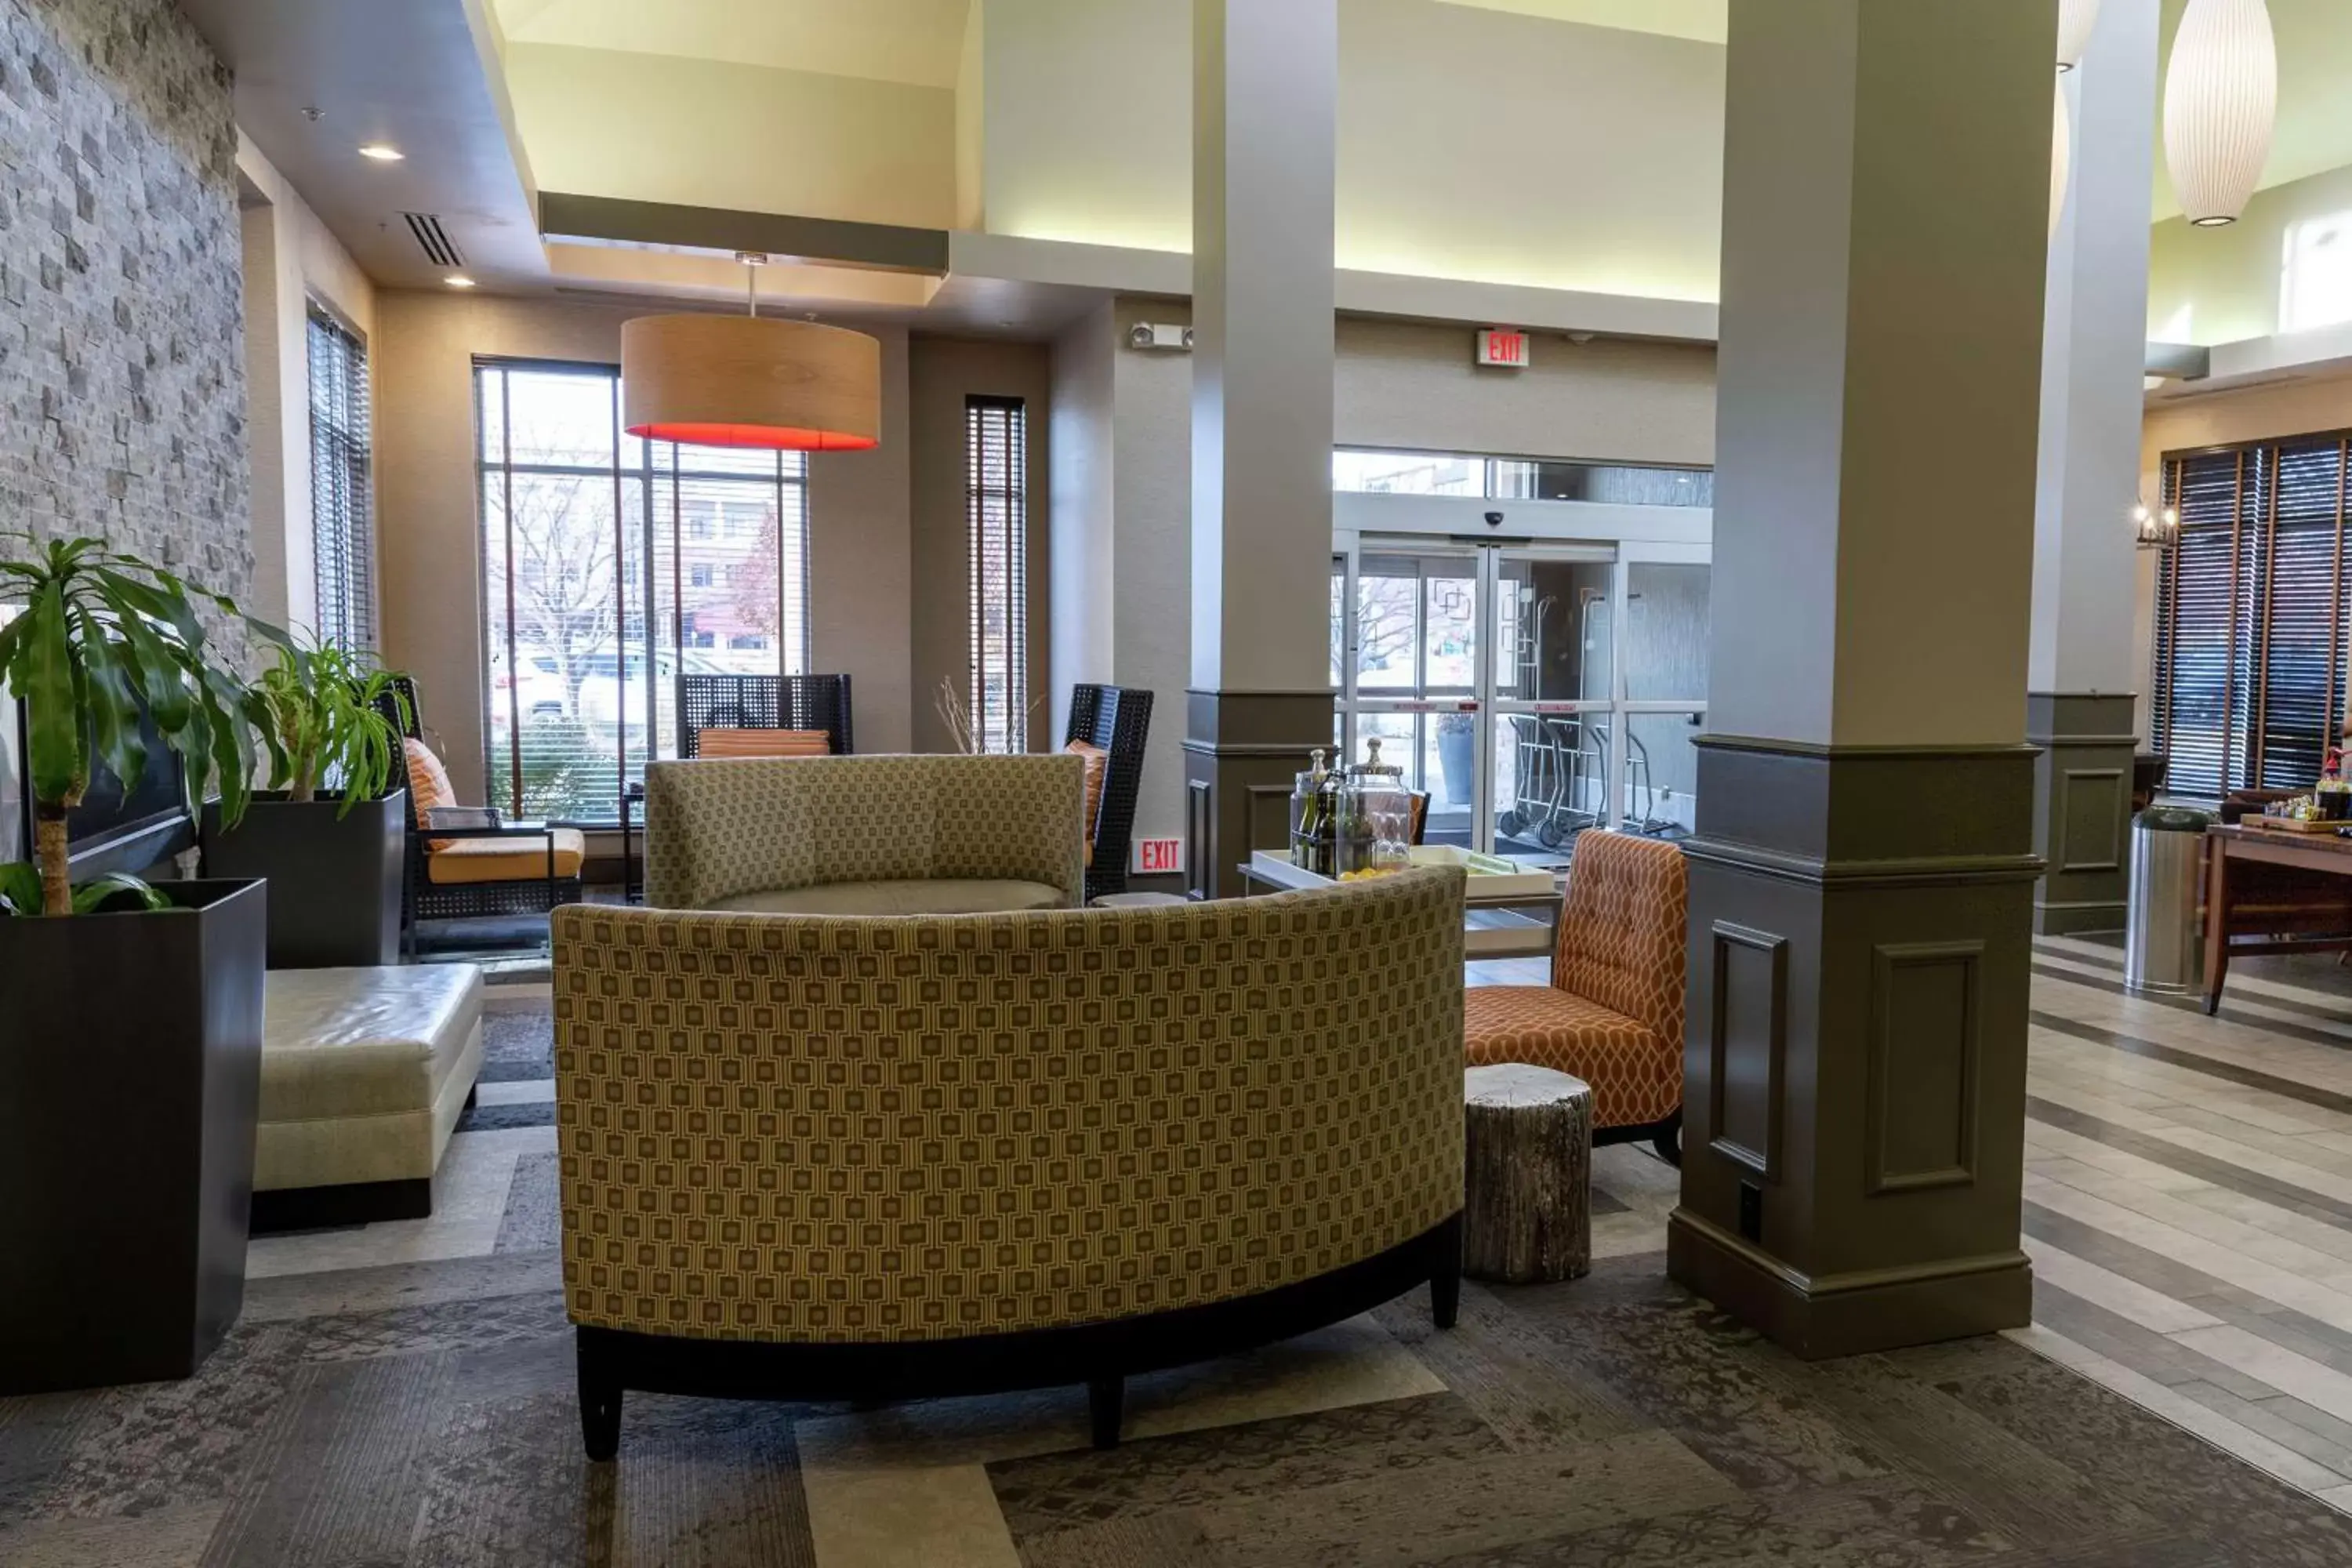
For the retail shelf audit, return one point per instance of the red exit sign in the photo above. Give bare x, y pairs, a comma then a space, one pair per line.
1154, 855
1506, 346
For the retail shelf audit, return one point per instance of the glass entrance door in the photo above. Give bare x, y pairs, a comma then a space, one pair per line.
1531, 691
1415, 675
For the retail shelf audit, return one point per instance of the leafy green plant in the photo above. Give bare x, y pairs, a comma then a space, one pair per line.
322, 723
104, 639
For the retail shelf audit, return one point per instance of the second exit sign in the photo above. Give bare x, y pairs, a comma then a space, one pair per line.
1159, 856
1505, 346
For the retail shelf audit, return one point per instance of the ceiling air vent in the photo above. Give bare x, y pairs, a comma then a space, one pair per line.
434, 239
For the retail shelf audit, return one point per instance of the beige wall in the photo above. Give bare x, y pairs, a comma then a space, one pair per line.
429, 545
941, 373
860, 566
1472, 144
290, 260
2223, 285
711, 135
1403, 384
971, 120
1081, 576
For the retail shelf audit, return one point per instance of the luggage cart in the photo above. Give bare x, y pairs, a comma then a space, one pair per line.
1538, 773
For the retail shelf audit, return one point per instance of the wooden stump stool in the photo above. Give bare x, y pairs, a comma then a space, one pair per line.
1527, 1211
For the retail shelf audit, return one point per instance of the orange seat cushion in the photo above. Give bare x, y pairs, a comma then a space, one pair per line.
466, 861
1098, 763
1636, 1074
762, 744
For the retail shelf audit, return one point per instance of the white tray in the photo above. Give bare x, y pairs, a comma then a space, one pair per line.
1491, 876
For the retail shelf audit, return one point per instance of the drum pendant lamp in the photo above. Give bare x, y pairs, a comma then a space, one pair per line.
751, 380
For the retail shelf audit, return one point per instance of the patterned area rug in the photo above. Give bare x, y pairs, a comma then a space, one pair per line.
518, 1048
423, 1414
518, 1045
402, 1393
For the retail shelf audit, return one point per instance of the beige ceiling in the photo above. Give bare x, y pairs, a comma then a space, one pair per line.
1706, 19
917, 42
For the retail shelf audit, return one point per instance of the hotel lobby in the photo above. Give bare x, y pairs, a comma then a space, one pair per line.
1114, 783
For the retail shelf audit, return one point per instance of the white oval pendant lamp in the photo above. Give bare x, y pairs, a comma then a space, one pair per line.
2076, 20
2062, 158
2221, 101
749, 381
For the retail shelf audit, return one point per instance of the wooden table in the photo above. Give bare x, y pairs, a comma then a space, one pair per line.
2270, 891
1503, 922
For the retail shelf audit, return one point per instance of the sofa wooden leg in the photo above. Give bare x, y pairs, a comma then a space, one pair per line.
1445, 1274
1105, 1402
600, 1398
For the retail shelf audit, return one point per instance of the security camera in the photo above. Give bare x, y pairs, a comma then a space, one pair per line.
1494, 520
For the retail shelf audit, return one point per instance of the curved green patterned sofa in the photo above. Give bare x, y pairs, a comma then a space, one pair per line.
867, 836
868, 1158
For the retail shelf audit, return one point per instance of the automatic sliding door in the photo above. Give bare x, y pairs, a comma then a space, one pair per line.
1533, 691
1415, 668
1549, 706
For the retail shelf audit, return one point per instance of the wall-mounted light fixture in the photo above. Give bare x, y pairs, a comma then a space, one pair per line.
2155, 527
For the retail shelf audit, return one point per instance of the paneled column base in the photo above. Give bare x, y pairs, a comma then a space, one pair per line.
2082, 807
1242, 753
1849, 1314
1854, 1066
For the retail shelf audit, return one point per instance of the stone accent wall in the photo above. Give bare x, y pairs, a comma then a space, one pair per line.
121, 303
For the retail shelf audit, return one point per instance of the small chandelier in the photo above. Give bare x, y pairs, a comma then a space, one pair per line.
751, 380
2155, 528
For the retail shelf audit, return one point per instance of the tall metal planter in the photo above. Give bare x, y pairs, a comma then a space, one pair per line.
130, 1080
334, 879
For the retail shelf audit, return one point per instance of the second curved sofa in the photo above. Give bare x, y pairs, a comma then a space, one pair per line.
867, 836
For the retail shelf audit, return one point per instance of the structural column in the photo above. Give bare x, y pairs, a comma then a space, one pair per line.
1264, 104
2080, 682
1861, 874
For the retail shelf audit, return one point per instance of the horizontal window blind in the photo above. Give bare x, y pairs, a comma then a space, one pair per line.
342, 529
996, 440
2251, 618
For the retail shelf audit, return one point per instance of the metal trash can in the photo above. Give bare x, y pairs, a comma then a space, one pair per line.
2164, 941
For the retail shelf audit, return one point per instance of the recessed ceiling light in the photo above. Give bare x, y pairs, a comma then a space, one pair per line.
383, 152
458, 280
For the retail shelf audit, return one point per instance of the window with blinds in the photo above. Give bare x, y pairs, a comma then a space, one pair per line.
996, 507
611, 565
342, 527
2252, 617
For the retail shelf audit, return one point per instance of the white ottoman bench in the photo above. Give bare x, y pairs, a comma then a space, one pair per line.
365, 1073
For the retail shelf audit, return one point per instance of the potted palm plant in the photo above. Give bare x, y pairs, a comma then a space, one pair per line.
330, 833
130, 1014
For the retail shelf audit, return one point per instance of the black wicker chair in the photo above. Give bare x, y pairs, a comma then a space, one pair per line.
1119, 720
762, 702
422, 898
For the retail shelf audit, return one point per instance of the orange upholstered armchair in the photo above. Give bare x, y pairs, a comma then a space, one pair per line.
1613, 1014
